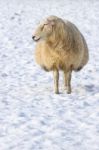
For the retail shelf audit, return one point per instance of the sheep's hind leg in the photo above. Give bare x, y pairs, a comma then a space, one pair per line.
56, 81
67, 81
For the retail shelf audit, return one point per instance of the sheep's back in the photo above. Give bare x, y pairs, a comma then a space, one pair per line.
78, 46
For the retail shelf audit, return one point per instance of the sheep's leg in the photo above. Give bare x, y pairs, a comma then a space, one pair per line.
56, 81
67, 81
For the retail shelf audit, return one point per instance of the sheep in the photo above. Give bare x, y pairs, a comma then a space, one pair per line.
60, 46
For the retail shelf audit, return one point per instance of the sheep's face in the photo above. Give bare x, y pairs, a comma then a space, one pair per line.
44, 30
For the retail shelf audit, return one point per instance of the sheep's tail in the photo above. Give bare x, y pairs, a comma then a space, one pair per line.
78, 69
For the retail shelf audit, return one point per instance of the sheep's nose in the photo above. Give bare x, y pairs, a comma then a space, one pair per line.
33, 37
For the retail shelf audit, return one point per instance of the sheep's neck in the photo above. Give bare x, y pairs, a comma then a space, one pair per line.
52, 44
56, 44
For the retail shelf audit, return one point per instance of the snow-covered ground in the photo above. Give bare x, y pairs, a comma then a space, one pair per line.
32, 117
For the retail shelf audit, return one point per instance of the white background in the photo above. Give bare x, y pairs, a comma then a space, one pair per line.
32, 117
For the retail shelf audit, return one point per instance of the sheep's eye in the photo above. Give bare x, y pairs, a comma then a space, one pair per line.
45, 24
43, 27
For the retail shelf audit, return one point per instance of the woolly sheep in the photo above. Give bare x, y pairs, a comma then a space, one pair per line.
60, 46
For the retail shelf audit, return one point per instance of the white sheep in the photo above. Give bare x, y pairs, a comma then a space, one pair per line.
60, 46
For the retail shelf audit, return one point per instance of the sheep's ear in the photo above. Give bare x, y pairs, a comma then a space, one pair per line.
51, 22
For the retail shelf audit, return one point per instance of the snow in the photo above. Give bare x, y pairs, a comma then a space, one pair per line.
32, 117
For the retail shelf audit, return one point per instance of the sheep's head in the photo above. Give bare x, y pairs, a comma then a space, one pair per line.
45, 29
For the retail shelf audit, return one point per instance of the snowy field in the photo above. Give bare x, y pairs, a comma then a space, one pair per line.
32, 117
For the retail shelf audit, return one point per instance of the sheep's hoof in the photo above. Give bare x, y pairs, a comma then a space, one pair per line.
56, 92
69, 91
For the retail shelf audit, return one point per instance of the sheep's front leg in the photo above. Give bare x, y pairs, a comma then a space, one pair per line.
56, 81
67, 81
